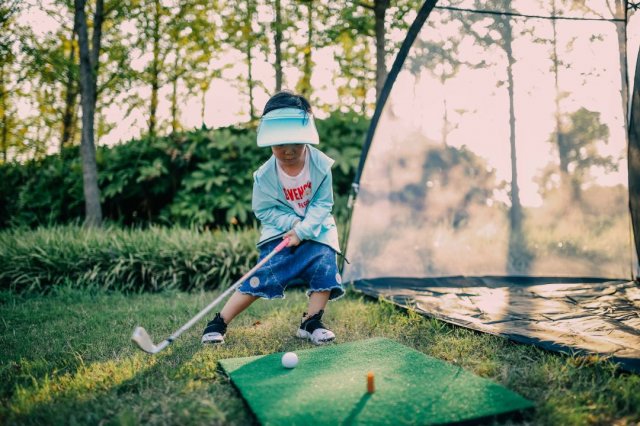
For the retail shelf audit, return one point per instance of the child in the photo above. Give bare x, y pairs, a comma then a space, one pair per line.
292, 197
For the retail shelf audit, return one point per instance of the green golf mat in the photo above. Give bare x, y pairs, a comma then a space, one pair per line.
329, 386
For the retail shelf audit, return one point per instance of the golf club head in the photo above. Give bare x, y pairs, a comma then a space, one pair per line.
141, 338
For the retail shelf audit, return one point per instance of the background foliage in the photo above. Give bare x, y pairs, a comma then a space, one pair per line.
201, 178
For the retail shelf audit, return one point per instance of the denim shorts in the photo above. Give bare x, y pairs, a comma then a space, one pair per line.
310, 262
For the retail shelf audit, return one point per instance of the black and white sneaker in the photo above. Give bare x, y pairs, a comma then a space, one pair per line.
214, 331
313, 330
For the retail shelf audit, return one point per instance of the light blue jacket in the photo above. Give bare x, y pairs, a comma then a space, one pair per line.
276, 215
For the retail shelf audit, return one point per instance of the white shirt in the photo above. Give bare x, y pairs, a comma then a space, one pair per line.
297, 189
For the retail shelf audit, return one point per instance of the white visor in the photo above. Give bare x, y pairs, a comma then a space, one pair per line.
286, 126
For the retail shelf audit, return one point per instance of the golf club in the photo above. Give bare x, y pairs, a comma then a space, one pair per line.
141, 338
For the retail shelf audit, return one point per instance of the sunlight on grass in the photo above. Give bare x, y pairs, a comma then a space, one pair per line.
81, 368
81, 385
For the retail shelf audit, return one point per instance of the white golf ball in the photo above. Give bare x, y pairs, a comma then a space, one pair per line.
289, 360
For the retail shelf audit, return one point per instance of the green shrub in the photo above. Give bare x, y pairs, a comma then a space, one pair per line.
128, 260
138, 179
216, 190
41, 192
341, 138
11, 177
200, 179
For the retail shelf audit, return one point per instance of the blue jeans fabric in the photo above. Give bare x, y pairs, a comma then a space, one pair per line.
312, 262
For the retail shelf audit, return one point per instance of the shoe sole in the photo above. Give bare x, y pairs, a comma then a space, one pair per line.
213, 340
302, 334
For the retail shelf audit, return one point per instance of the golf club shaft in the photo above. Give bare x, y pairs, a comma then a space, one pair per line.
217, 300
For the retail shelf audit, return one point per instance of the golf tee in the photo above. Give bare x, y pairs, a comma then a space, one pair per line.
370, 384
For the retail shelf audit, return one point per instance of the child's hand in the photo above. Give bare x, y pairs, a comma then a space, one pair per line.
293, 238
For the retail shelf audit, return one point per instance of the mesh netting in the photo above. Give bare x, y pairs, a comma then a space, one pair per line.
501, 149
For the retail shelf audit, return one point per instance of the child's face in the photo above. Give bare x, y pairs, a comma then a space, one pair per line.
289, 154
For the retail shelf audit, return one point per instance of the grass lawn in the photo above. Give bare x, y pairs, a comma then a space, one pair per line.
66, 358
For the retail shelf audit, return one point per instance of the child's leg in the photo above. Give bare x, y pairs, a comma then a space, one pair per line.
317, 301
237, 303
216, 328
312, 327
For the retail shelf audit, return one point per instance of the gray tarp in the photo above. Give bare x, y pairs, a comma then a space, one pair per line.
575, 315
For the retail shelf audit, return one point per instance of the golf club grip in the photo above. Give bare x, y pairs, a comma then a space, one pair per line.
237, 284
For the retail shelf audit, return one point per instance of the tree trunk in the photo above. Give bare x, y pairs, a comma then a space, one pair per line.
445, 123
561, 143
518, 258
278, 44
175, 123
621, 29
95, 48
304, 86
70, 96
380, 10
74, 122
252, 113
203, 92
41, 148
445, 114
3, 114
155, 69
88, 67
174, 95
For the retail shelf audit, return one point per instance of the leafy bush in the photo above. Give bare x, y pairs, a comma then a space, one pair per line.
217, 188
137, 179
47, 191
341, 138
11, 177
127, 260
201, 178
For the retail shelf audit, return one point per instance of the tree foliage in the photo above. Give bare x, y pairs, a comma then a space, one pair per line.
582, 133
